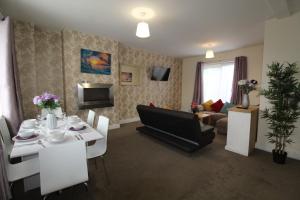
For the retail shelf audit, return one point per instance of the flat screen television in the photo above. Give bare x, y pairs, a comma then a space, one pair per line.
160, 74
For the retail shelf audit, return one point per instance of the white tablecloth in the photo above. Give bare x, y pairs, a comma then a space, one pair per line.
21, 149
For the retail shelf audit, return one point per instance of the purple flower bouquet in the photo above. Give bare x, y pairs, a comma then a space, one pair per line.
46, 100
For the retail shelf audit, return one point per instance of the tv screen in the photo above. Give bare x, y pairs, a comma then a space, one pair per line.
160, 74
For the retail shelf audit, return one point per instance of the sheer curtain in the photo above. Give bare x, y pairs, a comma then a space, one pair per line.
11, 106
217, 81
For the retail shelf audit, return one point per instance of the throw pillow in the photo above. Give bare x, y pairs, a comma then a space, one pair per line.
151, 104
207, 105
226, 107
217, 106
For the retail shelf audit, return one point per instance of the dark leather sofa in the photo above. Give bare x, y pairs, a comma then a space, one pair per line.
178, 128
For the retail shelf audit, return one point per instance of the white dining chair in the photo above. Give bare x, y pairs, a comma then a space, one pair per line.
91, 118
99, 148
19, 170
62, 166
5, 135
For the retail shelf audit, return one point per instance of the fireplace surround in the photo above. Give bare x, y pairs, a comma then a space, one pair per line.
95, 95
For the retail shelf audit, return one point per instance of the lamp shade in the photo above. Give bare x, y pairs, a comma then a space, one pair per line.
209, 54
142, 30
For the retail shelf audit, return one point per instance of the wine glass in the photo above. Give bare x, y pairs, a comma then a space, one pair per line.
38, 120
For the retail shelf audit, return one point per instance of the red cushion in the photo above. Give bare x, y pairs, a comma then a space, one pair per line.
217, 106
151, 104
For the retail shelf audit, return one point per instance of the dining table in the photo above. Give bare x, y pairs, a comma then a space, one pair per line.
30, 149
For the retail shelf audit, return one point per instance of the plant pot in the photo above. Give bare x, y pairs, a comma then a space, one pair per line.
279, 157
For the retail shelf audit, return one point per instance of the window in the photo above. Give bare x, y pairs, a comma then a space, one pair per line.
217, 81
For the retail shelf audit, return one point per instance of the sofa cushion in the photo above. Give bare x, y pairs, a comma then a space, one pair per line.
207, 105
225, 107
217, 106
221, 126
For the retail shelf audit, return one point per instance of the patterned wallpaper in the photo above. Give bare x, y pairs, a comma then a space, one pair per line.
161, 93
73, 42
39, 60
50, 61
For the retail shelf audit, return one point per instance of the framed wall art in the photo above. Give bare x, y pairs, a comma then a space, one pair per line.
95, 62
129, 75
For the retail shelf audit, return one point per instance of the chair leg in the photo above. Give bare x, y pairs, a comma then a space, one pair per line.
95, 160
11, 187
86, 186
44, 197
105, 171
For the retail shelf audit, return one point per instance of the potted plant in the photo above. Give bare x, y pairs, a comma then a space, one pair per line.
283, 93
49, 102
246, 86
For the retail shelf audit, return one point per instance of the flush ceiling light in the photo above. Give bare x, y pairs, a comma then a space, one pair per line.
209, 54
142, 30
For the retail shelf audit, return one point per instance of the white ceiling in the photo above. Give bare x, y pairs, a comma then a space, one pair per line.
179, 27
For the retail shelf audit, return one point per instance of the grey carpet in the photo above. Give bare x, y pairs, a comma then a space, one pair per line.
143, 168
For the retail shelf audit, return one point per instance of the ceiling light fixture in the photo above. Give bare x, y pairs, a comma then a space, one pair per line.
209, 54
142, 30
141, 13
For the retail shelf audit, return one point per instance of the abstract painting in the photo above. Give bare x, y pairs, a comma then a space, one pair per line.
95, 62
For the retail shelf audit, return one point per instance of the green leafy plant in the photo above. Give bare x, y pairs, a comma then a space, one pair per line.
283, 93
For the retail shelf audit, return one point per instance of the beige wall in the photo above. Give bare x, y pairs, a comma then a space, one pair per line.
282, 44
50, 61
255, 59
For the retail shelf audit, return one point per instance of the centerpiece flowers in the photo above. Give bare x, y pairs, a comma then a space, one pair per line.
246, 86
49, 102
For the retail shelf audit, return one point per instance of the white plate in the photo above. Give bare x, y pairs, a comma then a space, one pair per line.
28, 140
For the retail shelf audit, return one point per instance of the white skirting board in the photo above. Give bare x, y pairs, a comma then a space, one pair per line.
125, 121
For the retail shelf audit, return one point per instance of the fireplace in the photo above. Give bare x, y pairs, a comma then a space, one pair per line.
95, 95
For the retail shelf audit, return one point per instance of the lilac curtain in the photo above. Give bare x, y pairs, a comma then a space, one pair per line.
198, 96
10, 93
240, 73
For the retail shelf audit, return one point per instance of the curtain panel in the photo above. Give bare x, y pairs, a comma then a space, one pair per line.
11, 106
198, 93
240, 73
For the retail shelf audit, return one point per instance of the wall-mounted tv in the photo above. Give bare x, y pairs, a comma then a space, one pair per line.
160, 74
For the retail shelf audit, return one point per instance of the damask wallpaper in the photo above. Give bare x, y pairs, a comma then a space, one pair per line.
50, 61
161, 93
73, 42
39, 61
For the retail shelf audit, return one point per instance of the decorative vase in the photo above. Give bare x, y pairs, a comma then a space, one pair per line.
51, 120
245, 101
